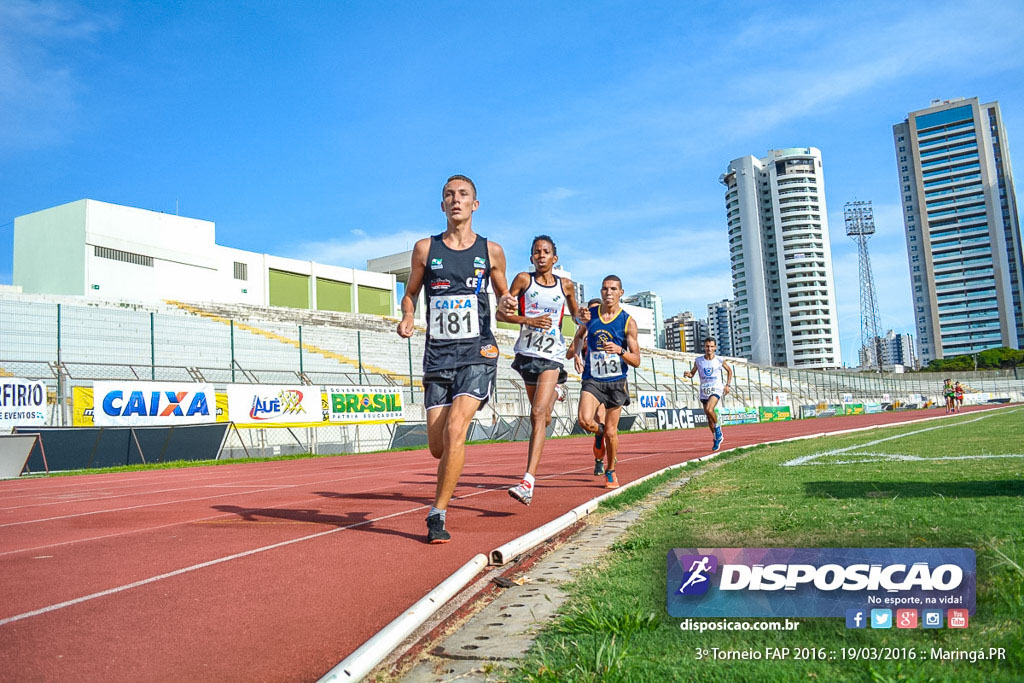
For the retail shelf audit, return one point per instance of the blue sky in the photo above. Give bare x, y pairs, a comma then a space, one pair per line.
325, 130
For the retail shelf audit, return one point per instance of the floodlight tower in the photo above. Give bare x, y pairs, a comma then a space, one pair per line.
860, 225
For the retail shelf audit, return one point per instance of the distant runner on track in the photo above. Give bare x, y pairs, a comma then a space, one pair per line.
713, 388
460, 356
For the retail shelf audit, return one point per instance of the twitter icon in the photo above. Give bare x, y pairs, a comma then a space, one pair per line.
881, 618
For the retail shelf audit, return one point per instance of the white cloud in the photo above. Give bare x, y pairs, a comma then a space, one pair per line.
558, 194
38, 91
823, 73
354, 251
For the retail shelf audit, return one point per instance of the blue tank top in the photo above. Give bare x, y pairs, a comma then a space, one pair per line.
601, 366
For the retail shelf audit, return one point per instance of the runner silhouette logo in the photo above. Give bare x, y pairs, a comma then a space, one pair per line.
697, 579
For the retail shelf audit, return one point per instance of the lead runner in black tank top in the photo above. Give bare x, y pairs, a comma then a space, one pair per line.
453, 278
459, 361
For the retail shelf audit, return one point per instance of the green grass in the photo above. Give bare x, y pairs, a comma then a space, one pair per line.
615, 626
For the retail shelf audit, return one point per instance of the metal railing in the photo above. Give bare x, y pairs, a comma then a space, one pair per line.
71, 344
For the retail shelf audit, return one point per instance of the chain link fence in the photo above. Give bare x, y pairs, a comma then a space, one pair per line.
70, 344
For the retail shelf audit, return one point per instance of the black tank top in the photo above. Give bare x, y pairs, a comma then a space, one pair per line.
457, 283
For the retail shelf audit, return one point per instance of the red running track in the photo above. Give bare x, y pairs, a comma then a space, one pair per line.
274, 571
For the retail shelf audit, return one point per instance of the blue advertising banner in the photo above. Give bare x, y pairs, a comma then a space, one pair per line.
816, 582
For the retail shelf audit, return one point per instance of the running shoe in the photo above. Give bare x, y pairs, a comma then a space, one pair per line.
599, 442
611, 481
522, 492
717, 443
559, 392
598, 468
435, 530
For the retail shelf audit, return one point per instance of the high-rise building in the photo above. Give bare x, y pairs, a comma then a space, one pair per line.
898, 349
651, 301
783, 287
963, 233
683, 332
721, 325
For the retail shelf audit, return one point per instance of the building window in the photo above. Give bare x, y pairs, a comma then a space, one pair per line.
241, 271
123, 256
903, 169
903, 149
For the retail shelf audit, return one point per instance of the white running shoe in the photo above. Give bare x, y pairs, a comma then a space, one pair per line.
522, 492
559, 392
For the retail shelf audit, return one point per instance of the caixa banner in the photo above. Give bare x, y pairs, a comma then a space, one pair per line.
816, 582
139, 404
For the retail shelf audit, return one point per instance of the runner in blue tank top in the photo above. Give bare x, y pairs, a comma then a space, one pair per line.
459, 359
611, 346
579, 363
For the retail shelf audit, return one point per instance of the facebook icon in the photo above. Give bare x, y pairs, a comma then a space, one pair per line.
856, 618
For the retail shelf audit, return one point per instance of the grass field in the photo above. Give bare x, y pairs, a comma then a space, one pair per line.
858, 490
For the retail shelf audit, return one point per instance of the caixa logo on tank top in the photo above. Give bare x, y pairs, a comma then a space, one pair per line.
474, 281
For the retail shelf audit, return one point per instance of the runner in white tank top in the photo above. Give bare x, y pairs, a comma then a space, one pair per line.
542, 300
713, 387
540, 349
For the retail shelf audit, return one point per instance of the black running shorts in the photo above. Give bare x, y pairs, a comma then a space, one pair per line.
440, 390
609, 394
530, 368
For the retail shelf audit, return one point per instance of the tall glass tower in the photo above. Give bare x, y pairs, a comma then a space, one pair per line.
963, 234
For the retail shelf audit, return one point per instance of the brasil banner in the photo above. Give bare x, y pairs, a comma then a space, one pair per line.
365, 405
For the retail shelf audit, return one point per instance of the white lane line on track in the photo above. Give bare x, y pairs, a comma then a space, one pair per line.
804, 459
163, 526
882, 457
261, 482
401, 468
221, 560
99, 496
289, 503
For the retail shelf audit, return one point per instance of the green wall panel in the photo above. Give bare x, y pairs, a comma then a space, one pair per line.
289, 289
332, 295
375, 301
